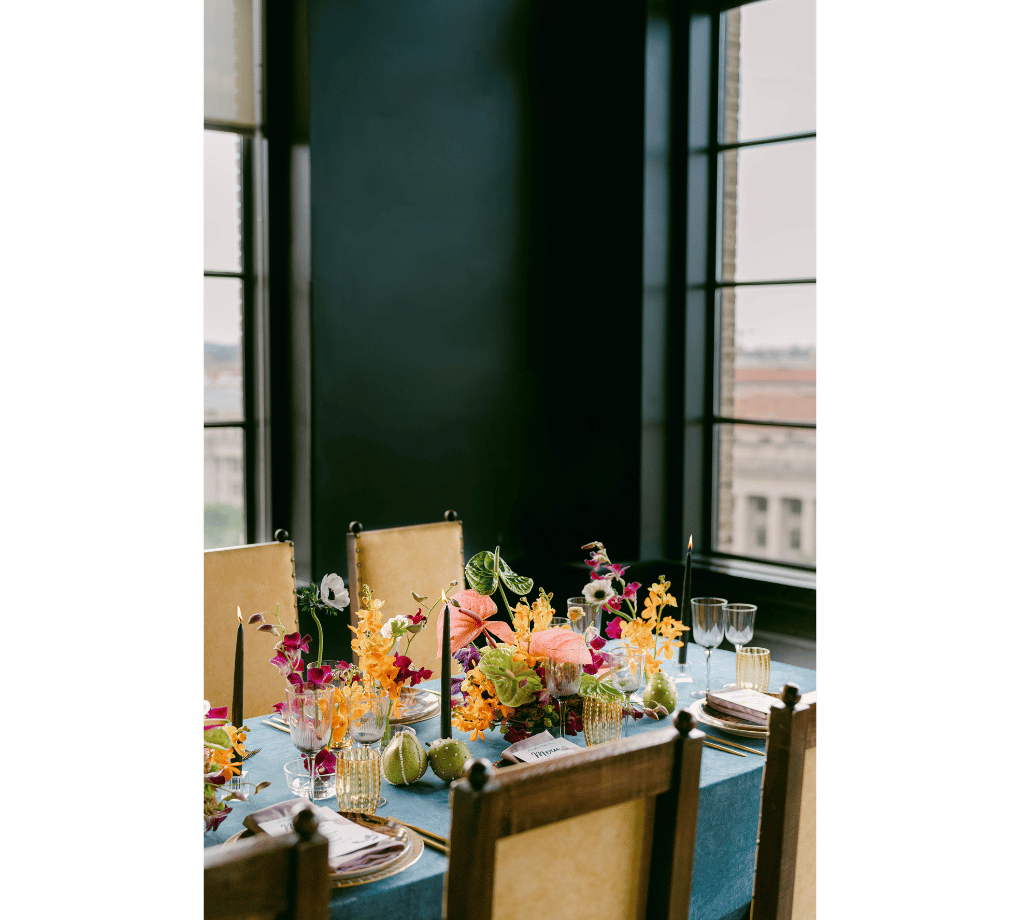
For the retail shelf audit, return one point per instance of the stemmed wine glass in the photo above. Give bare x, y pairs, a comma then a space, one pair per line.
309, 715
739, 626
625, 671
367, 718
708, 623
563, 679
739, 623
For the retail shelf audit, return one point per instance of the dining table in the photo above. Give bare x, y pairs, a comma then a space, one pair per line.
729, 801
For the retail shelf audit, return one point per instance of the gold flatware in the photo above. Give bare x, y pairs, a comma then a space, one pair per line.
250, 753
734, 744
282, 728
427, 837
719, 747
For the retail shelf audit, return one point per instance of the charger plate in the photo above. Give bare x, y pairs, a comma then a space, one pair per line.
408, 856
416, 705
411, 853
697, 709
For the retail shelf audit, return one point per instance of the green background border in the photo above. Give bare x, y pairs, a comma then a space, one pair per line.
101, 350
102, 321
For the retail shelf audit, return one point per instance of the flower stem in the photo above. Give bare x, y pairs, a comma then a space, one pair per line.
311, 610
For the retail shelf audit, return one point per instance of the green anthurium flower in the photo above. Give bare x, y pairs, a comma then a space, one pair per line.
515, 683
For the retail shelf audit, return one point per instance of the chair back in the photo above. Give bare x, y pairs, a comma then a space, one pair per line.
270, 878
255, 578
398, 560
784, 874
607, 832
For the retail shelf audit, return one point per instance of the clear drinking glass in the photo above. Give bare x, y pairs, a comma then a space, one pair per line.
626, 669
309, 716
367, 717
708, 623
559, 623
739, 623
563, 679
581, 614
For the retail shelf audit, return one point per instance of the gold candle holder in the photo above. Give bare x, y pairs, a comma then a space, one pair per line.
602, 718
753, 669
358, 780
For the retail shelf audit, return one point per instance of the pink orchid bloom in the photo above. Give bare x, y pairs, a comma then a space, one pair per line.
613, 629
614, 602
618, 570
630, 592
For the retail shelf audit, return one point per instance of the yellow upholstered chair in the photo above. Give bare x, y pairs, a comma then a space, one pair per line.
784, 872
398, 560
270, 878
255, 578
607, 832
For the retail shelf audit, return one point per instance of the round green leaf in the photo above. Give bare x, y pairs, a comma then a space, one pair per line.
516, 583
480, 572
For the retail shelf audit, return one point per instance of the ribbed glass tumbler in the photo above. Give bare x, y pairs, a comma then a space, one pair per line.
753, 669
602, 718
358, 780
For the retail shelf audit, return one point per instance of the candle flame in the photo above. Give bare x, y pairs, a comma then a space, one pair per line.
690, 543
239, 615
443, 598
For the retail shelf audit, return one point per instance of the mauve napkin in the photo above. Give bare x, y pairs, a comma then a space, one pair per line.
352, 847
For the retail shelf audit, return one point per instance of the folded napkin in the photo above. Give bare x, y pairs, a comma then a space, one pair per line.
352, 847
537, 748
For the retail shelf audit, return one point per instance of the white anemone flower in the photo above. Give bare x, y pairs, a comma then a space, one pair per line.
333, 592
395, 626
598, 591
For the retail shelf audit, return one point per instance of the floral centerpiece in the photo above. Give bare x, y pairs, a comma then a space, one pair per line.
377, 642
504, 682
223, 750
648, 630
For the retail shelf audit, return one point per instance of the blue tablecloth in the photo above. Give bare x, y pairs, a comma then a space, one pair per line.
727, 812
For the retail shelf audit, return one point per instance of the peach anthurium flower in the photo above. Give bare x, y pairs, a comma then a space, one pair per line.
470, 620
560, 645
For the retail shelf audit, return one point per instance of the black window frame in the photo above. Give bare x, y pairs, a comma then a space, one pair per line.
247, 275
693, 331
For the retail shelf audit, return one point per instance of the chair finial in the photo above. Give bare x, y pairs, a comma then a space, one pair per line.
790, 695
305, 824
280, 535
450, 515
478, 772
684, 723
354, 527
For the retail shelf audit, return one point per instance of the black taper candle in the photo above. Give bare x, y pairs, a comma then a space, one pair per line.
445, 726
237, 706
685, 602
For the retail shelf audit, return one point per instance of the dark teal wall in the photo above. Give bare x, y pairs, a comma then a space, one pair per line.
476, 219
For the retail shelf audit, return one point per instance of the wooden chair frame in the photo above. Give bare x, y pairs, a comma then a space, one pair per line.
792, 734
285, 878
490, 805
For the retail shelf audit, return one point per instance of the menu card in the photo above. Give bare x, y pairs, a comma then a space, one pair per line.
350, 844
539, 748
750, 705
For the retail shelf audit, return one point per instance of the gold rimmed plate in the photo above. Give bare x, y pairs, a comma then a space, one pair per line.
408, 855
416, 705
734, 727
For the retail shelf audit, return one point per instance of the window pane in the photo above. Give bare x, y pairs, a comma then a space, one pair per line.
766, 493
767, 354
224, 377
769, 201
229, 61
770, 62
222, 202
224, 487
